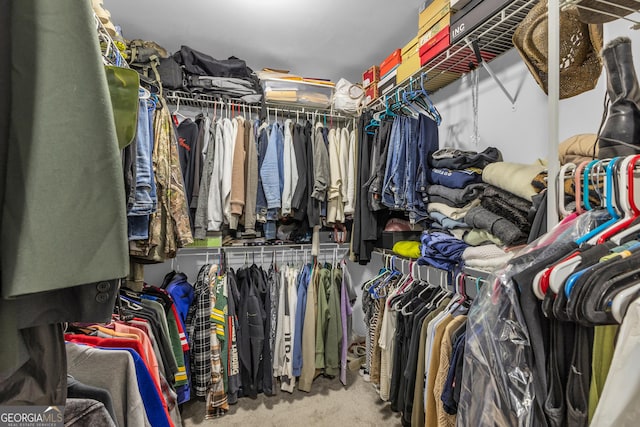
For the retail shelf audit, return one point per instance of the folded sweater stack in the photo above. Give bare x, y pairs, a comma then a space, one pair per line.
456, 186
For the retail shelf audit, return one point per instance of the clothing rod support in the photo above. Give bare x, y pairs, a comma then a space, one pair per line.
473, 44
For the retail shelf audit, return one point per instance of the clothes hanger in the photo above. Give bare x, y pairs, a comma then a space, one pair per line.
562, 177
591, 304
423, 95
629, 229
622, 300
625, 198
177, 113
577, 183
585, 184
143, 93
611, 197
609, 204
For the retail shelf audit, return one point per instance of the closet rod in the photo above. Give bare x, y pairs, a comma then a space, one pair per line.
203, 100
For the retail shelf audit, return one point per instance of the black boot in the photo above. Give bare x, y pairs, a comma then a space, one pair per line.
620, 133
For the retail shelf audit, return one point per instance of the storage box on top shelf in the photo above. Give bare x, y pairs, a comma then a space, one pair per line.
433, 13
390, 63
410, 60
458, 4
435, 46
371, 76
302, 92
387, 84
371, 94
473, 15
434, 30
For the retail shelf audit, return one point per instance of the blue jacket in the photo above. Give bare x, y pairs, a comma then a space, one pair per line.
270, 169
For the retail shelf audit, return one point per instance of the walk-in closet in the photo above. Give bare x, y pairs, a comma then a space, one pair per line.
295, 213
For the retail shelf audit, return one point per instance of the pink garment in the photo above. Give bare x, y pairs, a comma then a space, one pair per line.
149, 355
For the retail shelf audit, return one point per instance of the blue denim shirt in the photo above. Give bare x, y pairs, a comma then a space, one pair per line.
270, 169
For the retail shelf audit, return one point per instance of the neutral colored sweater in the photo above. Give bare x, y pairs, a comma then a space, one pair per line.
229, 131
203, 191
96, 367
290, 169
251, 181
350, 181
215, 202
320, 165
335, 207
237, 176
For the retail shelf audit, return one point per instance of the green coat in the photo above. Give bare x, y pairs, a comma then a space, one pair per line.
64, 215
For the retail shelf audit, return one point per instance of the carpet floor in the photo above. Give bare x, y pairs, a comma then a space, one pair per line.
328, 404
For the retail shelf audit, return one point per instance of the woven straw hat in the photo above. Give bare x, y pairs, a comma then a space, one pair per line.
580, 45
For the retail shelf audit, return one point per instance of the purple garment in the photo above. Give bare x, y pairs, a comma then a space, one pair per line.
345, 311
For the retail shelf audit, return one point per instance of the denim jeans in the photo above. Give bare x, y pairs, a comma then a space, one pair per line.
145, 196
143, 204
394, 138
150, 111
393, 190
411, 134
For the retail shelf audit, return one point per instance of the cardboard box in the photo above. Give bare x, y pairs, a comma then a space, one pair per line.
372, 75
387, 84
437, 27
435, 46
371, 94
458, 4
432, 14
409, 67
390, 62
468, 20
410, 47
410, 61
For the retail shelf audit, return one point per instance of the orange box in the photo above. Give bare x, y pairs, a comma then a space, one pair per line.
372, 75
390, 62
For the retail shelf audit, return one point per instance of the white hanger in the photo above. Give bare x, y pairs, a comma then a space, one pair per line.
622, 300
561, 194
177, 111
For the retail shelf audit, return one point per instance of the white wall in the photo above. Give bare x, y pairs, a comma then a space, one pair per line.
520, 132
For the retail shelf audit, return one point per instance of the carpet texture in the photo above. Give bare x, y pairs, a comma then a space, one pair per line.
328, 404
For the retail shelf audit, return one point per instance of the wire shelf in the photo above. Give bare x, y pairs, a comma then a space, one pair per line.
199, 100
494, 37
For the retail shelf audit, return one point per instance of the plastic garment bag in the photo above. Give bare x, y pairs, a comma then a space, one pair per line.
498, 383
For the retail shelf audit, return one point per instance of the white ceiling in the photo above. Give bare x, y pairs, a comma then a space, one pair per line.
328, 39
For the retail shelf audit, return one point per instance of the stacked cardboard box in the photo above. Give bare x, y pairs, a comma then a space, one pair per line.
370, 79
